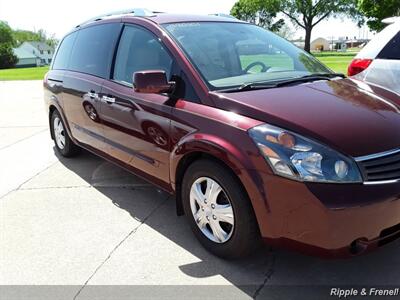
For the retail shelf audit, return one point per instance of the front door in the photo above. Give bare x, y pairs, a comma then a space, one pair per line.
136, 126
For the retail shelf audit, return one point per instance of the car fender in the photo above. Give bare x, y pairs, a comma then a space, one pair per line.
232, 157
55, 102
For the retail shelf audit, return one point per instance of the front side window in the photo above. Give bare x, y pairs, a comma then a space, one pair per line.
232, 54
140, 50
93, 49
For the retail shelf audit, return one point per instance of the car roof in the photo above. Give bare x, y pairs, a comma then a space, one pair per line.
391, 20
158, 17
379, 41
163, 18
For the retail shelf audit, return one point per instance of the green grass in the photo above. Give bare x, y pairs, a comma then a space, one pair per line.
334, 53
23, 73
274, 60
337, 63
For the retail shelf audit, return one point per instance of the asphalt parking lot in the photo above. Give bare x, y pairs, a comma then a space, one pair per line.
84, 222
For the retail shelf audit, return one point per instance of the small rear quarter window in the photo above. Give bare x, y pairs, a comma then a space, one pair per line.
64, 52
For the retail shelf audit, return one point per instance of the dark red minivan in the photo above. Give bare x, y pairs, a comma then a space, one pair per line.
256, 138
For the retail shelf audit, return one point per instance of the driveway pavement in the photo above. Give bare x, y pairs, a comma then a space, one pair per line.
95, 229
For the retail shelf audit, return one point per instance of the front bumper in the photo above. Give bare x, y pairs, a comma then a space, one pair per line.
330, 219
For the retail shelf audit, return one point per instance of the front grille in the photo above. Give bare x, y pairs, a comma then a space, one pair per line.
381, 167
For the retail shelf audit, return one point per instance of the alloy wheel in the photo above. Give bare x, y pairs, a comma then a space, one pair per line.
59, 132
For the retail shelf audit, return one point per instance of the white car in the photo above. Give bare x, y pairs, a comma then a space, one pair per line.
379, 61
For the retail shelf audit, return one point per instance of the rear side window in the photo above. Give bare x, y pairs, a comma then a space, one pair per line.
93, 49
392, 49
64, 52
140, 50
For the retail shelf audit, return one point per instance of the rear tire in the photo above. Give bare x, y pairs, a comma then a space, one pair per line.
63, 143
218, 210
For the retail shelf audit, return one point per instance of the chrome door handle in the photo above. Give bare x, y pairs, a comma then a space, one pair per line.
93, 95
108, 99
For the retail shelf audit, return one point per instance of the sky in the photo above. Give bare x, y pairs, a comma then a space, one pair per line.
59, 17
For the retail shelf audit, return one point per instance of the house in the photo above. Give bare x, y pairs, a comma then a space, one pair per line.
320, 44
26, 59
43, 51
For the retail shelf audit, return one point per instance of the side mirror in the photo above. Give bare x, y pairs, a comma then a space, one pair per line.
152, 82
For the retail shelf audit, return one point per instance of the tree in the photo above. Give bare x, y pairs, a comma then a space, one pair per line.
52, 41
286, 32
304, 13
21, 36
259, 13
6, 34
377, 10
7, 57
309, 13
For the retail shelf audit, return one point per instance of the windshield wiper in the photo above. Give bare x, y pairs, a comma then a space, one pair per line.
254, 86
250, 86
327, 75
279, 83
309, 78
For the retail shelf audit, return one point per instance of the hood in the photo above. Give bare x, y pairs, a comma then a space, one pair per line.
350, 116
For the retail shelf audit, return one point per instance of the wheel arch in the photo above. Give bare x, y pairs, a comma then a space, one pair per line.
190, 151
55, 107
181, 168
52, 108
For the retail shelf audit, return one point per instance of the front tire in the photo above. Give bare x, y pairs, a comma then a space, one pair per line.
218, 210
63, 143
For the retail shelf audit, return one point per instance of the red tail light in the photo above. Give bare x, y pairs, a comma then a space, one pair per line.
358, 65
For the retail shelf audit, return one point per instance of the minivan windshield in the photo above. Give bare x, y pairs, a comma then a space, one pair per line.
233, 54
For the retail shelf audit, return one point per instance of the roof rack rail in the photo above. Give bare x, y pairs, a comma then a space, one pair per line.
136, 12
391, 20
223, 15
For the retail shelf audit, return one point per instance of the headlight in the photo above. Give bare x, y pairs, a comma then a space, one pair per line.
291, 155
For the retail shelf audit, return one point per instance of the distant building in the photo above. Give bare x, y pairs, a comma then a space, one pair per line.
344, 43
356, 43
319, 44
340, 44
299, 43
43, 51
26, 59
